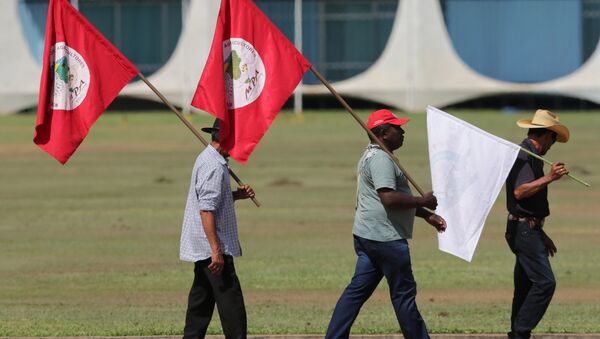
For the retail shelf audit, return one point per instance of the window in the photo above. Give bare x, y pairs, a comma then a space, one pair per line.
146, 31
524, 41
342, 38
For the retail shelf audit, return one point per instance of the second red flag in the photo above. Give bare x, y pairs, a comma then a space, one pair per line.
251, 71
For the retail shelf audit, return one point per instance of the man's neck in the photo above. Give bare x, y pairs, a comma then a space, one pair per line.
536, 144
219, 149
376, 145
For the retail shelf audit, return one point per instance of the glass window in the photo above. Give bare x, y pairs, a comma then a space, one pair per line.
342, 38
33, 15
146, 31
524, 41
591, 27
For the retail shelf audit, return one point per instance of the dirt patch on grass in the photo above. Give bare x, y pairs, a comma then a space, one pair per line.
285, 182
19, 149
426, 296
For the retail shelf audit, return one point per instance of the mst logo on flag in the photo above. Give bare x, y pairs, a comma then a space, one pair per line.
82, 73
252, 69
245, 74
71, 77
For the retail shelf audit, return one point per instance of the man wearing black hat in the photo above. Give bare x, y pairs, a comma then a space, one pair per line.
527, 204
209, 239
383, 223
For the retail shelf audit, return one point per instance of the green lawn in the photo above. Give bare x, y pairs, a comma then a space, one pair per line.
91, 248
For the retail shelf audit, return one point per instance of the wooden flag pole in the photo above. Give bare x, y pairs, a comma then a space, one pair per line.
364, 126
191, 127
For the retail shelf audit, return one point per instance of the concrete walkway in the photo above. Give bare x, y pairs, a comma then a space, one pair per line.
382, 336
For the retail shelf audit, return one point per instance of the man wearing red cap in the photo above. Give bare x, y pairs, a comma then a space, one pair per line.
385, 211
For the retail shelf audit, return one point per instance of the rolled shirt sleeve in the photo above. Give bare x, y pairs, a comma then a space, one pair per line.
209, 187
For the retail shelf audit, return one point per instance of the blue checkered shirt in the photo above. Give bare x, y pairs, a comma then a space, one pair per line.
210, 190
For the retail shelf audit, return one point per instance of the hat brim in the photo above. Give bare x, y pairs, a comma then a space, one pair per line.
562, 132
398, 122
209, 130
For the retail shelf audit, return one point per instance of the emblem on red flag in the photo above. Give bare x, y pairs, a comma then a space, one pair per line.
251, 71
245, 73
71, 77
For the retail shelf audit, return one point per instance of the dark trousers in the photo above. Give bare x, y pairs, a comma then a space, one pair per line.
533, 278
376, 260
208, 289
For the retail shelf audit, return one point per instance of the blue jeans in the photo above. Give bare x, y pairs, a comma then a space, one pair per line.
376, 260
533, 278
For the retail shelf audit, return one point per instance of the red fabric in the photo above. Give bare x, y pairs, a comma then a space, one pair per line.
60, 128
243, 127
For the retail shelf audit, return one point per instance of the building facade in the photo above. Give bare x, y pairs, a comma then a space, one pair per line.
402, 53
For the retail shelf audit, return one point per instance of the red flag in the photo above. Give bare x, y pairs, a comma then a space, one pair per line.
82, 73
251, 71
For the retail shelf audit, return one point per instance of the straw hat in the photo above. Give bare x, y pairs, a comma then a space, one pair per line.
546, 119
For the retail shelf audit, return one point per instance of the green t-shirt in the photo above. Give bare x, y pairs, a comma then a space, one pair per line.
372, 221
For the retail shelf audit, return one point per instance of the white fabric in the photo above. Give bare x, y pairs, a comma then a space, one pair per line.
468, 168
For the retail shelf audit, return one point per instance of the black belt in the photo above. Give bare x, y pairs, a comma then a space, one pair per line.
533, 222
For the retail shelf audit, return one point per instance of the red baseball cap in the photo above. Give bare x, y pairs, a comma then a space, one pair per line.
384, 116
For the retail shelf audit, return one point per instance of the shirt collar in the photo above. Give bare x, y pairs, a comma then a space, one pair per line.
216, 154
530, 146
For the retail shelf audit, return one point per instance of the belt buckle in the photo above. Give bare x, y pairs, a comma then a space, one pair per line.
535, 223
513, 217
532, 222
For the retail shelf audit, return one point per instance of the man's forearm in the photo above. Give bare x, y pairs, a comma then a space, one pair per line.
529, 189
210, 229
395, 199
423, 213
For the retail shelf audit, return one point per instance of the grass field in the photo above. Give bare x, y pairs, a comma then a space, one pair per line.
91, 248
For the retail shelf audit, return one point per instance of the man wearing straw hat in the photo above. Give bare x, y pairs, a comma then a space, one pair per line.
527, 204
383, 222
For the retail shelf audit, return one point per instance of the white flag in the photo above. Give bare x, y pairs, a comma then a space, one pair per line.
468, 168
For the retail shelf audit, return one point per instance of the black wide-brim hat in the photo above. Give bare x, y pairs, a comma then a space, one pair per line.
215, 127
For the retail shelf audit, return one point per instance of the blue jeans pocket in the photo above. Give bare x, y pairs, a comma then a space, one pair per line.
511, 234
529, 240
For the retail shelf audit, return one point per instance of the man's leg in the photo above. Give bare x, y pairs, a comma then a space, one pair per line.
533, 258
522, 287
201, 303
395, 262
230, 301
521, 282
365, 280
